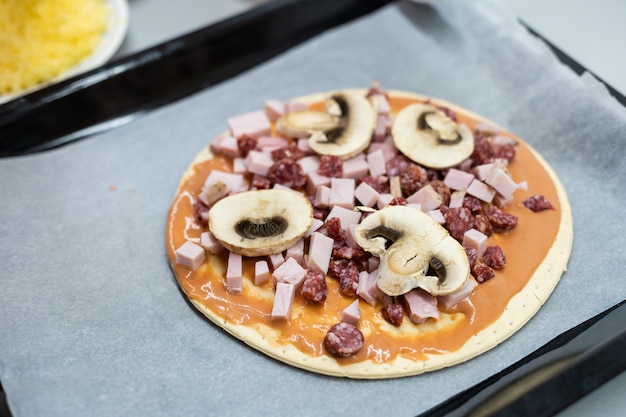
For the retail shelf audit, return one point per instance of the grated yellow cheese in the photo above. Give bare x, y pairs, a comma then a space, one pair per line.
41, 39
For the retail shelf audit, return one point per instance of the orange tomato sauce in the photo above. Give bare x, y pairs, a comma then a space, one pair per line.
525, 247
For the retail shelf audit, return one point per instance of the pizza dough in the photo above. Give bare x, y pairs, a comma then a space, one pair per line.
537, 253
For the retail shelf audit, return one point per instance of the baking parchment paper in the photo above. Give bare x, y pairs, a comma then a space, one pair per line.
92, 321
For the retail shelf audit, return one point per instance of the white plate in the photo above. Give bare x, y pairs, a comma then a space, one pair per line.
112, 39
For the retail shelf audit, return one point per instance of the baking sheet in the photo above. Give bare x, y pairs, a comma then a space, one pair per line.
92, 319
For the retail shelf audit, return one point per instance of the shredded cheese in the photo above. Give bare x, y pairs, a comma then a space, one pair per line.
41, 39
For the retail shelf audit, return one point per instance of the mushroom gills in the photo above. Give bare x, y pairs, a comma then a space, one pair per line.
259, 228
412, 247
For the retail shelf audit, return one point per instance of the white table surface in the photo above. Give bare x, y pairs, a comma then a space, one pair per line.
590, 31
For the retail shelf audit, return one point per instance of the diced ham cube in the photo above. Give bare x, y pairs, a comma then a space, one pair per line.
373, 263
239, 166
484, 171
352, 313
283, 301
322, 197
416, 206
487, 128
437, 216
384, 200
320, 250
274, 109
475, 239
290, 272
293, 106
380, 104
236, 182
395, 187
456, 179
254, 124
190, 255
273, 142
456, 199
304, 145
501, 182
380, 129
499, 140
366, 195
261, 272
377, 164
356, 167
315, 225
420, 306
314, 180
451, 300
388, 149
502, 201
368, 289
208, 242
234, 273
213, 192
227, 146
309, 163
342, 192
276, 260
346, 217
296, 252
481, 191
259, 162
427, 197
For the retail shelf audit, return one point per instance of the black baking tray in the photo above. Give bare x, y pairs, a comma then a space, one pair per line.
573, 364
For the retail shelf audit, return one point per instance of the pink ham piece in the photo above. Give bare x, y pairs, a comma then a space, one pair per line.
304, 145
388, 149
254, 124
234, 273
499, 140
380, 129
484, 171
213, 192
290, 272
380, 104
309, 163
342, 192
296, 252
366, 195
274, 109
481, 191
420, 306
322, 197
377, 164
320, 250
236, 182
501, 182
487, 128
475, 239
368, 289
346, 217
352, 313
259, 162
208, 242
395, 187
270, 142
239, 166
293, 106
190, 255
283, 301
315, 225
451, 300
227, 146
276, 260
456, 179
437, 216
314, 180
261, 272
427, 197
384, 200
456, 199
356, 167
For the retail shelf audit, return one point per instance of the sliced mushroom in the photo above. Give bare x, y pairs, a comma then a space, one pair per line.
429, 137
262, 222
344, 129
410, 243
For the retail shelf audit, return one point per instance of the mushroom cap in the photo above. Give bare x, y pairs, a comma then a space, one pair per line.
344, 129
261, 222
408, 241
422, 133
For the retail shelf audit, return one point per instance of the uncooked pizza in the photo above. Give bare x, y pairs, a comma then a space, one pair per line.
368, 233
